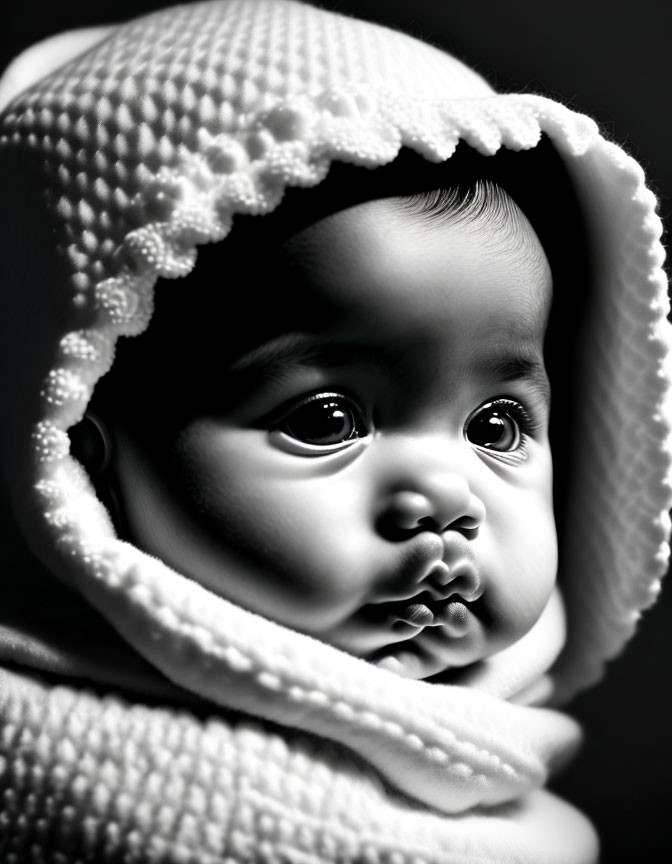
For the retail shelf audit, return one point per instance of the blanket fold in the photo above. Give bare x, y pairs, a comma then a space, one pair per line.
92, 777
303, 751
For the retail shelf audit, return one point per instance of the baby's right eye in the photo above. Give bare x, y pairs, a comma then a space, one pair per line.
322, 423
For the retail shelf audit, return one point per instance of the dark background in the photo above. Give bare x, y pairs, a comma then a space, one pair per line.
612, 60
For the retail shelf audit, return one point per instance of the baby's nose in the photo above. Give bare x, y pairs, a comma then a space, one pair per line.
438, 502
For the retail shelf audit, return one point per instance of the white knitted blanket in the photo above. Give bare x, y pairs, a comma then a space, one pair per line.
328, 759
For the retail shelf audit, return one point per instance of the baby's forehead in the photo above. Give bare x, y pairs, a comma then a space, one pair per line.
483, 210
387, 249
493, 195
244, 285
288, 269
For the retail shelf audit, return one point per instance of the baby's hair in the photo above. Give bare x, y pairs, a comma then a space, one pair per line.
482, 203
483, 200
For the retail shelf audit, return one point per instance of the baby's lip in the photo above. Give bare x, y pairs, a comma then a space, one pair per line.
456, 574
443, 589
422, 611
438, 590
415, 613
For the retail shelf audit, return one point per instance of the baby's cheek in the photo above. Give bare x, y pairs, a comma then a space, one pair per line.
321, 542
521, 569
301, 521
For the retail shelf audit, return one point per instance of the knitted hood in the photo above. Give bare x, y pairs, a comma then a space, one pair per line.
146, 145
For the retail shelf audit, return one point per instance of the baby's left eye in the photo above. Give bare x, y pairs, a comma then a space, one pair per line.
500, 426
322, 423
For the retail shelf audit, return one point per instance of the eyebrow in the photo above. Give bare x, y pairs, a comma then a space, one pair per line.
520, 363
295, 350
279, 356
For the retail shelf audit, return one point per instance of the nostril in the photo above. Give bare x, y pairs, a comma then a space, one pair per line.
405, 514
447, 505
409, 510
468, 522
467, 526
473, 518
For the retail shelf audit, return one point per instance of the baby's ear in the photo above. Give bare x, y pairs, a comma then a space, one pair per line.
91, 444
45, 57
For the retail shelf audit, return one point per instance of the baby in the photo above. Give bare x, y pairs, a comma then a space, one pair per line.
314, 499
365, 457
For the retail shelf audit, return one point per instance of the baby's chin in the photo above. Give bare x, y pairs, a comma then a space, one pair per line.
454, 639
409, 660
406, 664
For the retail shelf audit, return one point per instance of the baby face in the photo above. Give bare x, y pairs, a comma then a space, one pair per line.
372, 467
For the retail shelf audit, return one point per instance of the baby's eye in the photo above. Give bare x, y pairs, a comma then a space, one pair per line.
322, 423
325, 419
501, 426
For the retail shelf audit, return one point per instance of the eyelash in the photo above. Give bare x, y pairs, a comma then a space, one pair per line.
285, 424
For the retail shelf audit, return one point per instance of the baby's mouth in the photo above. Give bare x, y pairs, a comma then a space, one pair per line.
423, 611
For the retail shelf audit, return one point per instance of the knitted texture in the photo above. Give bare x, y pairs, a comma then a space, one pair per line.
162, 785
101, 781
163, 782
147, 145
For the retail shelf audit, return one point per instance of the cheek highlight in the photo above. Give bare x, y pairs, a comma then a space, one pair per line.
300, 525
